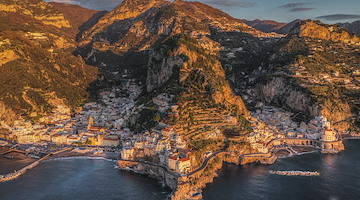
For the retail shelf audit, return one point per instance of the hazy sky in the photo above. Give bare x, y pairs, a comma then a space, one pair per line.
329, 11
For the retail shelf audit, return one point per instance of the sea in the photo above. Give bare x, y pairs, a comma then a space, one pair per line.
93, 179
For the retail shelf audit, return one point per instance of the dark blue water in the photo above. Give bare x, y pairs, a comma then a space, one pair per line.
81, 179
339, 179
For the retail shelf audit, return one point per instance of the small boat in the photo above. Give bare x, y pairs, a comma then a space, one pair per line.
295, 173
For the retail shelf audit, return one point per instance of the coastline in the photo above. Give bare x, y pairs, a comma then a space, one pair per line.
186, 188
18, 173
182, 186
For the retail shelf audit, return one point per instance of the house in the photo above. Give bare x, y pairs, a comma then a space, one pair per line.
167, 132
183, 165
127, 153
328, 136
73, 138
28, 138
45, 137
172, 162
59, 139
110, 142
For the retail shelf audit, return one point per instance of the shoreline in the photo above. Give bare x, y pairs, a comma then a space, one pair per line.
142, 170
81, 157
177, 195
17, 173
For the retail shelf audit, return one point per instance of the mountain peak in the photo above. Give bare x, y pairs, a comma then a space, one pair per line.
128, 9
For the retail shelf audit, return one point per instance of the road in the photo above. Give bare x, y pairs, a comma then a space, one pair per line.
204, 163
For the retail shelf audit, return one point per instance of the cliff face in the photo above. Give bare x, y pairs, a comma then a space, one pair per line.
283, 93
278, 91
38, 72
317, 30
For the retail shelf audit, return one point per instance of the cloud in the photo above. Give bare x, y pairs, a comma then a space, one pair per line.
336, 17
230, 3
296, 7
300, 9
292, 5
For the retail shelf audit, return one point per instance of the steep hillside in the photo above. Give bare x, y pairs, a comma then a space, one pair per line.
38, 72
314, 71
36, 9
80, 18
152, 28
173, 47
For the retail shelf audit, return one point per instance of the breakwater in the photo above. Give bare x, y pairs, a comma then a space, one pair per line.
295, 173
16, 174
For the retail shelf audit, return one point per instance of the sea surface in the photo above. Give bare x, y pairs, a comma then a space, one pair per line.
83, 179
339, 178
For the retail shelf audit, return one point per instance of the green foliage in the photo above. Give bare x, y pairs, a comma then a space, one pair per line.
204, 144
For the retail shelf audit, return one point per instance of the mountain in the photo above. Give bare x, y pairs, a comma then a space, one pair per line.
287, 28
186, 79
316, 29
353, 27
173, 41
312, 72
39, 74
79, 17
206, 61
267, 26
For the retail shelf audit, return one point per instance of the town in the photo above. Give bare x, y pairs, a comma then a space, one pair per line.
104, 125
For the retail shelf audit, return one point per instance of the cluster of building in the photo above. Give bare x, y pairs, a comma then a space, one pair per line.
161, 145
104, 123
270, 125
98, 123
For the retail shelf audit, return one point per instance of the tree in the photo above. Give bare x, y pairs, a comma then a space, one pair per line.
157, 118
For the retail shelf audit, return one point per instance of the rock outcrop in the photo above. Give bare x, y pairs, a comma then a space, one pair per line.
314, 29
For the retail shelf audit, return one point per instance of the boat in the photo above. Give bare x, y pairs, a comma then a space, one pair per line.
295, 173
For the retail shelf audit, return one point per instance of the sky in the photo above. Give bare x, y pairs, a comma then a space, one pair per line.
328, 11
